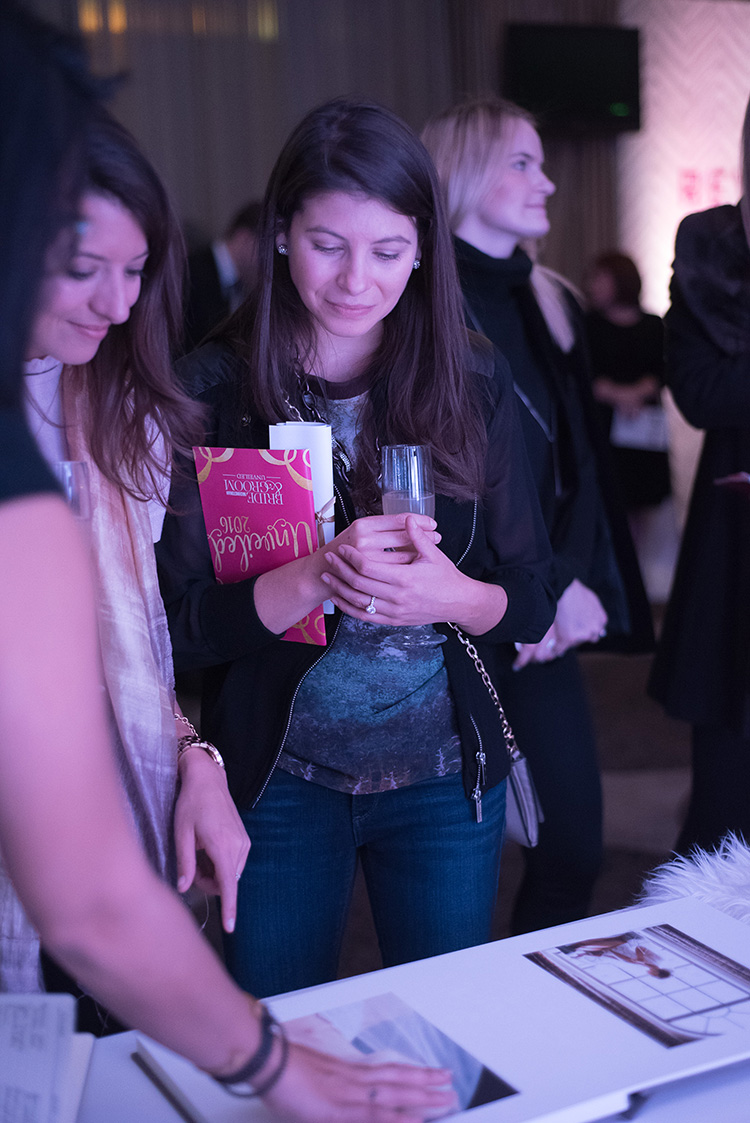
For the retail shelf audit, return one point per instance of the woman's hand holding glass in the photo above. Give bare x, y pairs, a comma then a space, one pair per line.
375, 558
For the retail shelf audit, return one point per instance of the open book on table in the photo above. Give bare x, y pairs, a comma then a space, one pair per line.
566, 1025
43, 1061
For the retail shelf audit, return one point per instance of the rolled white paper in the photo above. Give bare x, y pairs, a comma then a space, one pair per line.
317, 437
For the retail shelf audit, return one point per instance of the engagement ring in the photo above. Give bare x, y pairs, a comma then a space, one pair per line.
371, 609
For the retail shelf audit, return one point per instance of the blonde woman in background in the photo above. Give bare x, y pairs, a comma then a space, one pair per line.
490, 160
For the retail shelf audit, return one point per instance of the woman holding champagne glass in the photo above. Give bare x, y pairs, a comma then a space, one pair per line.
360, 748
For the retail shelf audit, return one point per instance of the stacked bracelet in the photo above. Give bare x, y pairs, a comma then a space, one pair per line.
239, 1083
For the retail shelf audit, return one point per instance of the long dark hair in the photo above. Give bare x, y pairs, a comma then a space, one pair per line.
421, 390
131, 392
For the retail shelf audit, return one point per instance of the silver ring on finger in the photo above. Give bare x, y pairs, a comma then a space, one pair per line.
371, 610
551, 643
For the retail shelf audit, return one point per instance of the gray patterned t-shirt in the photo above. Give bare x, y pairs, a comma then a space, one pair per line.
371, 716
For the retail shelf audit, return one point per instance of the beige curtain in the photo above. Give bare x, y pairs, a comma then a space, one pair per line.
583, 213
215, 86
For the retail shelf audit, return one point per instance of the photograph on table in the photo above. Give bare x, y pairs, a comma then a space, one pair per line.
385, 1028
664, 983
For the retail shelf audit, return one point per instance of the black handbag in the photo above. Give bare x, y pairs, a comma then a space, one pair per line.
523, 811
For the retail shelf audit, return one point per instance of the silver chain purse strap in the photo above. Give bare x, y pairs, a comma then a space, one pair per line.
510, 741
523, 812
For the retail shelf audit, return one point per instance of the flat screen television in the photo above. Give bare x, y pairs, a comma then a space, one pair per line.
576, 79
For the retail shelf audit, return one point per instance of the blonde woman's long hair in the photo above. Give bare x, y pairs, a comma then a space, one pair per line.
463, 142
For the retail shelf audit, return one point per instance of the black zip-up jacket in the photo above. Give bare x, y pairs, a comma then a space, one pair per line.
252, 677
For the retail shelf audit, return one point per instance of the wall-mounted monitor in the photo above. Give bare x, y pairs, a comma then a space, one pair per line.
577, 79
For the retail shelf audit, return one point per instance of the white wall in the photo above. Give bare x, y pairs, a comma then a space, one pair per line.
695, 82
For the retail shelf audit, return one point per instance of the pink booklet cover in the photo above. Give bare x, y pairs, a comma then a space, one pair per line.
259, 514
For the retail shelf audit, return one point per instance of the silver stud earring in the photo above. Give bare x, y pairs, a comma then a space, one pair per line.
282, 248
417, 263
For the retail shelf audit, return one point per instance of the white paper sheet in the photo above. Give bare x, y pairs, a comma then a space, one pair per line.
43, 1063
317, 437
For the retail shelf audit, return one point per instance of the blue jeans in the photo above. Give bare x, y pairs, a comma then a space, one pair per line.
431, 872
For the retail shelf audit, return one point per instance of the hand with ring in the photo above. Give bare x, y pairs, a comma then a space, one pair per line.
545, 651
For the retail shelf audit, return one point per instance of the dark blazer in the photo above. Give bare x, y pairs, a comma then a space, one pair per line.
205, 303
252, 676
702, 668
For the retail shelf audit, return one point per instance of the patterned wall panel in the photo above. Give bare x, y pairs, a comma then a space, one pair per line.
695, 81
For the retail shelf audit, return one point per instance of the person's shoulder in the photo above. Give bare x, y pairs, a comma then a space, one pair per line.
489, 367
208, 370
711, 252
702, 231
480, 353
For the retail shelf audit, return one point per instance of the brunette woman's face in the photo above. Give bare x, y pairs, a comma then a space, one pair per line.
96, 288
350, 258
514, 206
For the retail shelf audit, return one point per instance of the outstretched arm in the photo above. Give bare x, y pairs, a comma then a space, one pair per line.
77, 865
64, 830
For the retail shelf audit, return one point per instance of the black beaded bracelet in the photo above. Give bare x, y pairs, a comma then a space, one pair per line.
259, 1057
262, 1089
239, 1083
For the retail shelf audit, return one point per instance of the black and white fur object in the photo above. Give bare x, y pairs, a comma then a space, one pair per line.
720, 878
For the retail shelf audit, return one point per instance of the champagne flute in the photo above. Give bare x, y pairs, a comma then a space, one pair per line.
407, 484
73, 476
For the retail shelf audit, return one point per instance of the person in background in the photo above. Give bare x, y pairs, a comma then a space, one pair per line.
700, 672
626, 347
490, 160
65, 833
100, 390
221, 275
362, 749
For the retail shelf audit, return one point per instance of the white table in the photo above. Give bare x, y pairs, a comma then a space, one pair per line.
529, 1027
118, 1092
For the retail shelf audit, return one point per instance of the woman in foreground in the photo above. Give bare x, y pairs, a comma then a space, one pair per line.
66, 836
362, 749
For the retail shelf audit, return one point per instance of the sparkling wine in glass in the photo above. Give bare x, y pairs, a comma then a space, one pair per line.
407, 485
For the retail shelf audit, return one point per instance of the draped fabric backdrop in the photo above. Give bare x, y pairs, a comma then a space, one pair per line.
215, 86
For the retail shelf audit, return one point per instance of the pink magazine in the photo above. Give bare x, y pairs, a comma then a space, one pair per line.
259, 514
